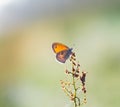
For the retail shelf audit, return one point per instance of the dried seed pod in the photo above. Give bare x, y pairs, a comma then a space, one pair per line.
77, 71
73, 54
66, 71
73, 69
83, 89
74, 59
76, 75
70, 59
85, 100
82, 78
72, 97
78, 65
74, 63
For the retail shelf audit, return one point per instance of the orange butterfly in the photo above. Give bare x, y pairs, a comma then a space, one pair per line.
62, 51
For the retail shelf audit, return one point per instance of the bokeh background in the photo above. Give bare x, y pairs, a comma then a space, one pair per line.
29, 73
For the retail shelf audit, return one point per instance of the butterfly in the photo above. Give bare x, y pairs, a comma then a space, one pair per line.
62, 51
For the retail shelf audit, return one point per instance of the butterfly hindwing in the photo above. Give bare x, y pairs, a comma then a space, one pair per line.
62, 56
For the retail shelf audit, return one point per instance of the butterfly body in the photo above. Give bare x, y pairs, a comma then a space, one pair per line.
62, 52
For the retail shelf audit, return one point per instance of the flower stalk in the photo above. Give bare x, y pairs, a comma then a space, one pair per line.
75, 87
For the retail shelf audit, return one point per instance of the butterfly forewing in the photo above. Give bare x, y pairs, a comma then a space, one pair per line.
58, 47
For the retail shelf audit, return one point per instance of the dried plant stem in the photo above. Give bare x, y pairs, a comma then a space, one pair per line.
75, 102
72, 87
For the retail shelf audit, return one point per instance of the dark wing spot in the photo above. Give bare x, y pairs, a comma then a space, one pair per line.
61, 52
55, 46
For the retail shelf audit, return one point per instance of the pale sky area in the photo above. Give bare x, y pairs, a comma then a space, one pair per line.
16, 12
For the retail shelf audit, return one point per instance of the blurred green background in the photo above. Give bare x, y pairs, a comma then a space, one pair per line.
29, 73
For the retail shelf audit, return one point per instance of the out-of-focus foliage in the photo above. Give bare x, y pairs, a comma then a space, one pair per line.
29, 72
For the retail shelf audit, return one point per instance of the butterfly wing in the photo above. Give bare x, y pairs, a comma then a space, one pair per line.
62, 56
58, 47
